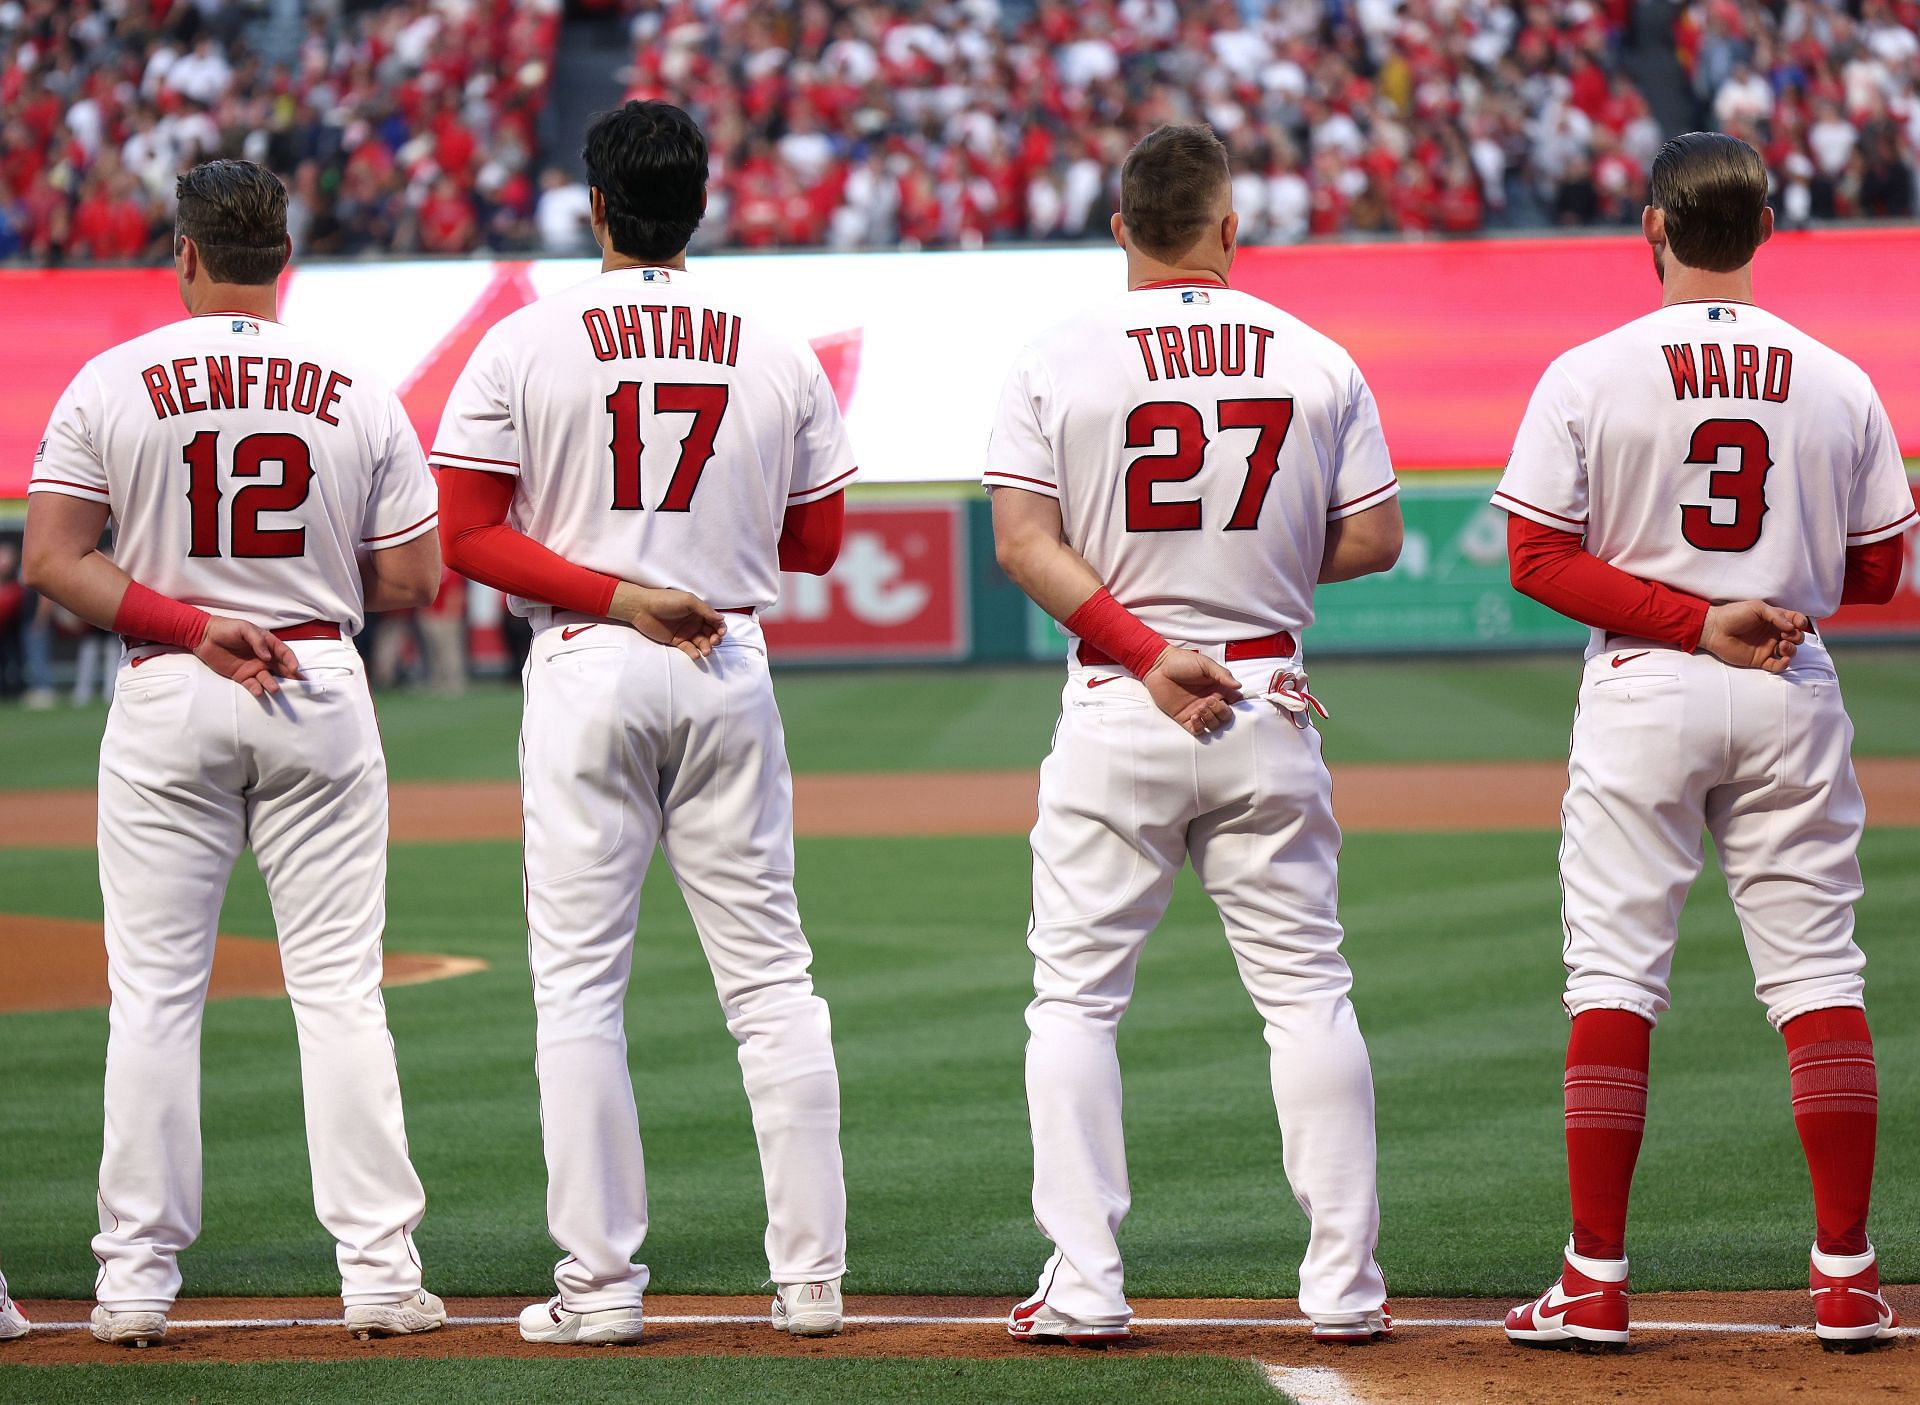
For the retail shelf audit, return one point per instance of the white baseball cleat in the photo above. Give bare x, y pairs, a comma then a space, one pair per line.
422, 1312
553, 1325
13, 1322
808, 1309
1034, 1320
127, 1328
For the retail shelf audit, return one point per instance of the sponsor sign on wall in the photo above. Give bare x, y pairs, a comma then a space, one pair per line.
899, 591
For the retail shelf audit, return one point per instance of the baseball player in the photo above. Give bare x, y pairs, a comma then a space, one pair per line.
1698, 486
266, 492
1172, 471
651, 426
13, 1322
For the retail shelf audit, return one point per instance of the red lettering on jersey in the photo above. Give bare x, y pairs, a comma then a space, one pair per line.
1713, 371
248, 378
1261, 336
627, 320
599, 333
1686, 377
183, 377
279, 373
331, 396
1143, 337
220, 382
1173, 350
733, 344
680, 344
1233, 349
656, 310
1779, 374
1746, 371
159, 392
1200, 348
713, 335
306, 388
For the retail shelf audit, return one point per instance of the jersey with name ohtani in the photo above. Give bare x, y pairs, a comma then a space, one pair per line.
659, 429
245, 467
1199, 440
1716, 449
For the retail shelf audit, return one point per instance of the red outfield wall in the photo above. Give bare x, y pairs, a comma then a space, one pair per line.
1452, 336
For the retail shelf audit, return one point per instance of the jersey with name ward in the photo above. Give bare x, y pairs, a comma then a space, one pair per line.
246, 467
1717, 449
659, 428
1199, 440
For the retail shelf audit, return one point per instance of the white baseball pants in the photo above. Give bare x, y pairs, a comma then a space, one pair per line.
1668, 744
193, 770
627, 744
1126, 797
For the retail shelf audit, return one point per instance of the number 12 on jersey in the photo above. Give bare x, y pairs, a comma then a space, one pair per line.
708, 406
1146, 513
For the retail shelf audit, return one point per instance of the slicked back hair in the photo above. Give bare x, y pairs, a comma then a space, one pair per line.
1169, 186
1711, 187
236, 215
648, 160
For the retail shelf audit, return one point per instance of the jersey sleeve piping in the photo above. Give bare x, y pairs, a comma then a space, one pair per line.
68, 488
1021, 481
1891, 529
1372, 498
1541, 515
405, 534
824, 490
472, 458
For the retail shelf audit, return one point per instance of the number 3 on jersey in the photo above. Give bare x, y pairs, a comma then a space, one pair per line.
708, 406
1744, 485
1146, 513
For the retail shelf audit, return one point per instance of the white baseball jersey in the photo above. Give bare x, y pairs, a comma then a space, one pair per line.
659, 429
1199, 440
1716, 449
246, 467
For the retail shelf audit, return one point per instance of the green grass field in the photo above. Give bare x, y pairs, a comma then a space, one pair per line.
1455, 943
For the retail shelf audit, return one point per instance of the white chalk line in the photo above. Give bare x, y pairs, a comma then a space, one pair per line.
1310, 1385
930, 1320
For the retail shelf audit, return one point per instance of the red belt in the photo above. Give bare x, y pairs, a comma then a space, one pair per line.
291, 634
1269, 646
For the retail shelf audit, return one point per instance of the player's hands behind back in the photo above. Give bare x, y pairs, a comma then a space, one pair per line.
1753, 634
247, 654
1192, 689
675, 617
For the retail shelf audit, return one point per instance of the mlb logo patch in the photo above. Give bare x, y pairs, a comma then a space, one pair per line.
1722, 314
655, 275
1195, 295
245, 327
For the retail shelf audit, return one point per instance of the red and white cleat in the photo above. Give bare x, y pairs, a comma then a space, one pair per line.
1585, 1309
1374, 1327
1848, 1312
1033, 1320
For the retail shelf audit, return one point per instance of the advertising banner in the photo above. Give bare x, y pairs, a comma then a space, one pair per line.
898, 592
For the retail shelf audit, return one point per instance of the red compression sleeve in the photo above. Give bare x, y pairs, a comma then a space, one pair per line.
478, 543
1873, 572
1109, 626
153, 618
1555, 568
811, 533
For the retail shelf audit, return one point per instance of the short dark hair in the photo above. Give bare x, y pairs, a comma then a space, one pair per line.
1168, 185
1712, 188
236, 215
648, 160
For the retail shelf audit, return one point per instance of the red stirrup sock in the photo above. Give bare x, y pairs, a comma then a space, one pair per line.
1836, 1107
1607, 1057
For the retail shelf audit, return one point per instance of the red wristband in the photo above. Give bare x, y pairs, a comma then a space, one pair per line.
1112, 628
152, 618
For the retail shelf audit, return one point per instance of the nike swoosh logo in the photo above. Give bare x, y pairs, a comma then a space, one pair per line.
1619, 659
144, 658
572, 630
1101, 682
1556, 1302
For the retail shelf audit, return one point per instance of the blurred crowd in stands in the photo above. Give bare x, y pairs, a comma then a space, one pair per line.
410, 125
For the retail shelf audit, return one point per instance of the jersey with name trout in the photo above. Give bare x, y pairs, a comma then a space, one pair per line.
1714, 448
659, 427
1199, 440
245, 467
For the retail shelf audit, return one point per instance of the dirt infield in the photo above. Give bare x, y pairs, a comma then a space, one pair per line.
1444, 1351
1368, 798
56, 964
